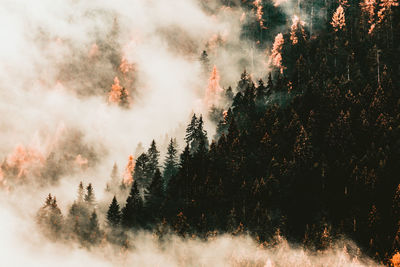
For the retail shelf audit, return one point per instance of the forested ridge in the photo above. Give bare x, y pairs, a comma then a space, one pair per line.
311, 152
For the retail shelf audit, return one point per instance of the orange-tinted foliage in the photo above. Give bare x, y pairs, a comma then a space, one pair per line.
259, 12
23, 159
116, 91
214, 90
297, 24
395, 260
338, 19
276, 56
125, 66
128, 173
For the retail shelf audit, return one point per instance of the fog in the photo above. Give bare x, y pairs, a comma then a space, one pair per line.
22, 245
58, 60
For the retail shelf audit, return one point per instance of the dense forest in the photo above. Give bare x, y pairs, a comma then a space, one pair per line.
310, 153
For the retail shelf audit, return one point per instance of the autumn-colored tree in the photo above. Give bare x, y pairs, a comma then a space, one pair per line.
129, 170
276, 52
395, 260
214, 90
368, 8
259, 12
115, 93
118, 94
296, 29
338, 19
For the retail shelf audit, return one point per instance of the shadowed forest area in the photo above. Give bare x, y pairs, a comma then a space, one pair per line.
310, 152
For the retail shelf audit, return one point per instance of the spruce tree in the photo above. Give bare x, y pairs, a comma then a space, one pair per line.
156, 194
205, 62
191, 130
50, 219
114, 183
171, 162
114, 213
94, 232
142, 173
81, 192
133, 210
89, 196
153, 155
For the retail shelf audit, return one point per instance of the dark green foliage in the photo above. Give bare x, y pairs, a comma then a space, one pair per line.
196, 136
191, 130
114, 213
171, 162
132, 213
153, 155
156, 195
142, 173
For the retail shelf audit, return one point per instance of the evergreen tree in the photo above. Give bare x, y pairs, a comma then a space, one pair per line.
156, 195
205, 62
229, 95
89, 196
94, 232
195, 134
81, 192
50, 219
114, 183
114, 213
171, 162
191, 130
153, 155
133, 210
142, 174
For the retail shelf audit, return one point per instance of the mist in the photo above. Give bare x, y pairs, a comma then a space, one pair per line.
59, 59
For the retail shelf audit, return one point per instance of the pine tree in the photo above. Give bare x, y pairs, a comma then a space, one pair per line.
89, 196
156, 194
94, 232
114, 174
201, 140
50, 219
133, 210
114, 213
171, 162
114, 183
205, 62
81, 192
142, 173
229, 95
191, 130
124, 98
195, 134
153, 154
276, 52
338, 19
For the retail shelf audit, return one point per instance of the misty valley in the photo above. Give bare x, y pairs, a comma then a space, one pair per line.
200, 133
